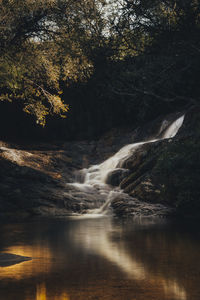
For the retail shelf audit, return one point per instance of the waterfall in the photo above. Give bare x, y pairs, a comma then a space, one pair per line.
95, 176
173, 128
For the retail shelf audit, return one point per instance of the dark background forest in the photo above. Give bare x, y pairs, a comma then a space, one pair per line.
76, 69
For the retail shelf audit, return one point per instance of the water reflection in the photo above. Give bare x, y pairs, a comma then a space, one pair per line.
41, 294
100, 259
39, 265
115, 251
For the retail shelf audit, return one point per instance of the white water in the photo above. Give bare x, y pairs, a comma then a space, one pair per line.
95, 176
173, 129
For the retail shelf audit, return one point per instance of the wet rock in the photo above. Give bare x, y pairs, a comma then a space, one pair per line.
147, 190
124, 205
115, 177
167, 171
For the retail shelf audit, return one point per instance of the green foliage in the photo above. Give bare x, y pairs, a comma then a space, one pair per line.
33, 77
143, 56
42, 46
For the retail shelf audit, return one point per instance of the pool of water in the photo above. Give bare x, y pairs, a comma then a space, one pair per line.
101, 258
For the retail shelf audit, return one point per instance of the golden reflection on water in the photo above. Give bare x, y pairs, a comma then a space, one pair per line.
26, 269
91, 239
41, 294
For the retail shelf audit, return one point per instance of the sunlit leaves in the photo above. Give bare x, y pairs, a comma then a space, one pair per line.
37, 109
45, 43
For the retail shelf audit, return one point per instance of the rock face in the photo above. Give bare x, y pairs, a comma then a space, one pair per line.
124, 206
115, 177
33, 178
167, 172
140, 183
33, 182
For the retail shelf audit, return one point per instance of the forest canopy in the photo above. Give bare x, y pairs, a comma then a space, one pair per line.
142, 55
42, 45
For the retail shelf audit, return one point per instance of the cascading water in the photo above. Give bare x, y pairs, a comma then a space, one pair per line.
95, 176
173, 129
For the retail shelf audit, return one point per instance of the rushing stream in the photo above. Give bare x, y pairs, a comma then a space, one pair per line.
94, 178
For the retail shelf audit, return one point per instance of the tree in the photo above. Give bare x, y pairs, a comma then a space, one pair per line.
44, 43
164, 65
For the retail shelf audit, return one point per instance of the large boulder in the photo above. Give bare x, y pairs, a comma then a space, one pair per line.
167, 171
116, 176
124, 205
